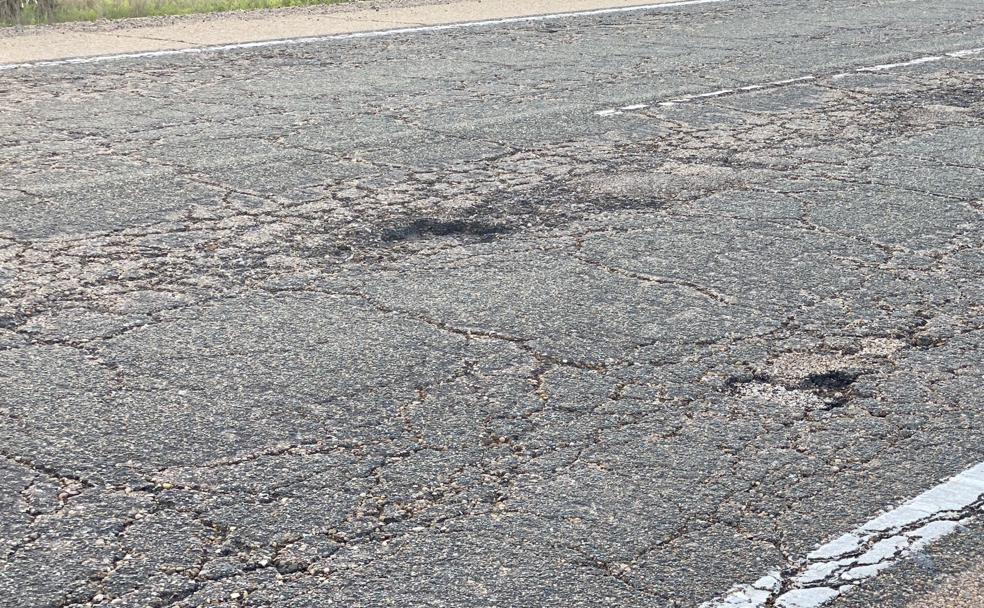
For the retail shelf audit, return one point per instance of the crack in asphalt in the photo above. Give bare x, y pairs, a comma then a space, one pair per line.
652, 356
841, 564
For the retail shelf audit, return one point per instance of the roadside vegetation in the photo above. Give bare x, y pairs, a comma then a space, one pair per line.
34, 12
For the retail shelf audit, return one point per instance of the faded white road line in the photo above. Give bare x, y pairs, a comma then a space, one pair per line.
352, 35
780, 83
841, 564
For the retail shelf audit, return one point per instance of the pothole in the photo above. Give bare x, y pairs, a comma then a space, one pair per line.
809, 380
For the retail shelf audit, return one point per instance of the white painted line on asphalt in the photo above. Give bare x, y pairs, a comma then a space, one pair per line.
788, 81
966, 52
711, 94
839, 565
901, 64
780, 83
718, 93
353, 35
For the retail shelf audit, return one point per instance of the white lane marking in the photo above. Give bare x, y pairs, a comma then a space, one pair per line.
966, 52
902, 64
718, 93
839, 565
781, 83
352, 35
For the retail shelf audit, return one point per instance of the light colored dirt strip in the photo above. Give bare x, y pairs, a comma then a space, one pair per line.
841, 564
789, 81
53, 47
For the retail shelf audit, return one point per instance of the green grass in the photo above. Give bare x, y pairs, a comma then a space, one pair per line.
35, 12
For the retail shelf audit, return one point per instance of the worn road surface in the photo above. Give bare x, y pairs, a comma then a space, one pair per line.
629, 309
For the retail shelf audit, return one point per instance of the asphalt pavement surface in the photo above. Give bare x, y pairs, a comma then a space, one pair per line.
613, 310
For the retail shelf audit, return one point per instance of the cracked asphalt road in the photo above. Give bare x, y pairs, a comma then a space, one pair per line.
404, 322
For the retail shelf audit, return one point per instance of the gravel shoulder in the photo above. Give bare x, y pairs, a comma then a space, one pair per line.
44, 43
